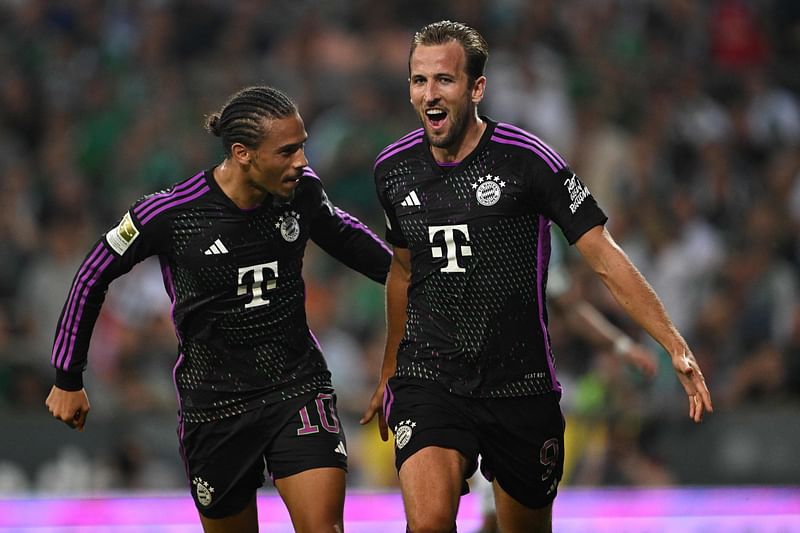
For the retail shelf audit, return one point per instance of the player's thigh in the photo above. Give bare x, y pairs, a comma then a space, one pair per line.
308, 462
523, 448
315, 499
435, 450
513, 517
225, 464
431, 482
422, 414
245, 521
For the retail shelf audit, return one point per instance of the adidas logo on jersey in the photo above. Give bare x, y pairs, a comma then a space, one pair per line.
411, 199
340, 449
216, 248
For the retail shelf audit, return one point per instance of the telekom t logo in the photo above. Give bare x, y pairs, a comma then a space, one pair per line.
450, 246
258, 286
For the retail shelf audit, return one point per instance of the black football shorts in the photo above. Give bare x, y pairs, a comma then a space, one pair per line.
520, 439
226, 459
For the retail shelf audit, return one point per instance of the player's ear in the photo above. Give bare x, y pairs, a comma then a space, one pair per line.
478, 89
240, 154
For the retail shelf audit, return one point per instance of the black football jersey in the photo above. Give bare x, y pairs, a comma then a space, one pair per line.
234, 279
478, 233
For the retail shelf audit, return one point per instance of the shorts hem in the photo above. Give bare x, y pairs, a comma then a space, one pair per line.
219, 514
530, 503
306, 468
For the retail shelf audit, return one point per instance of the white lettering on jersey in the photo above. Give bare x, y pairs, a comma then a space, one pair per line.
450, 245
258, 286
327, 203
578, 192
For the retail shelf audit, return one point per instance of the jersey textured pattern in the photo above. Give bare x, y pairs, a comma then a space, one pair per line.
234, 279
479, 238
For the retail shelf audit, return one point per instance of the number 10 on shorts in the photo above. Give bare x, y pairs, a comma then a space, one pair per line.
327, 417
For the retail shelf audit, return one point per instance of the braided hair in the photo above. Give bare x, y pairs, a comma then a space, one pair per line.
241, 119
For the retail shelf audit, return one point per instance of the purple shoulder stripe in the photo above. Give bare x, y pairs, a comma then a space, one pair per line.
408, 144
308, 171
161, 197
530, 136
401, 140
518, 137
192, 194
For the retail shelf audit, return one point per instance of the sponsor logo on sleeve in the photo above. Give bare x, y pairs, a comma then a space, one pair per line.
578, 192
121, 237
327, 203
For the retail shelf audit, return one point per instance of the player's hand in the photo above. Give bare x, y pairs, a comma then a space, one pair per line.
71, 407
694, 384
642, 358
376, 407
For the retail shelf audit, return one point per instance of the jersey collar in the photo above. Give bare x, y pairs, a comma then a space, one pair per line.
444, 169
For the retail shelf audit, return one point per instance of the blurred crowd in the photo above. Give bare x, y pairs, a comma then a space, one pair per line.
682, 117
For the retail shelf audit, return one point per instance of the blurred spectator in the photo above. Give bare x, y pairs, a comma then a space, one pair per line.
738, 40
791, 358
19, 229
47, 280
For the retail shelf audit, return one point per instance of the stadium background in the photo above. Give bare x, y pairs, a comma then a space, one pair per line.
682, 117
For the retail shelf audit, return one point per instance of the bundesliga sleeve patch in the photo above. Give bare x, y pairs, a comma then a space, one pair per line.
121, 237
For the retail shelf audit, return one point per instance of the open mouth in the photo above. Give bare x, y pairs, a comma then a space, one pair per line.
436, 117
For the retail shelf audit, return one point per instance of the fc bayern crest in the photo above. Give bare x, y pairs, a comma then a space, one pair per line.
402, 433
204, 491
488, 189
289, 225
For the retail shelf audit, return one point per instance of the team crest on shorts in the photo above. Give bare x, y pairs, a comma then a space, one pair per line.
488, 189
402, 433
289, 225
204, 491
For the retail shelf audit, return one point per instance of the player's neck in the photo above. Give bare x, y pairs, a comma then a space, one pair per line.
464, 146
236, 187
